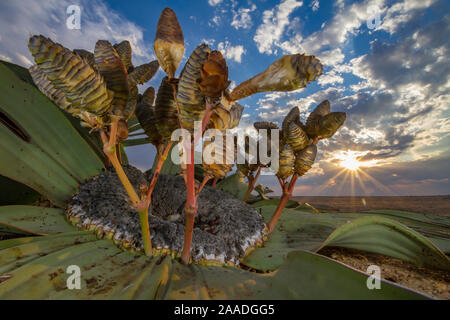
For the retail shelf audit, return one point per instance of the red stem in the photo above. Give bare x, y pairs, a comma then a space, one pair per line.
214, 182
287, 193
206, 117
191, 200
190, 208
161, 159
251, 184
204, 182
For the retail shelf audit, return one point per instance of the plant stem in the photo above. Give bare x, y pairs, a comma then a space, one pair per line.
145, 229
287, 193
251, 183
109, 148
205, 120
207, 115
119, 153
190, 208
124, 179
214, 182
161, 159
202, 185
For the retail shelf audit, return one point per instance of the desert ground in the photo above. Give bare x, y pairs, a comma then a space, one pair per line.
436, 205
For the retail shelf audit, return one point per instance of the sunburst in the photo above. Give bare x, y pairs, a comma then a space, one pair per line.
353, 174
349, 160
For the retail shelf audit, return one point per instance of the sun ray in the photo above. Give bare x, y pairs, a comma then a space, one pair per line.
354, 169
377, 183
326, 185
361, 182
343, 182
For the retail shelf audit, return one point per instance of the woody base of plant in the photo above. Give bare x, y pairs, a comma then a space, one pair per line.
225, 229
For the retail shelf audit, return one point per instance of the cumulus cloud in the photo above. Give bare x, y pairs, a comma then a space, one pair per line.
331, 77
402, 12
420, 58
274, 23
231, 52
49, 19
345, 23
242, 18
397, 114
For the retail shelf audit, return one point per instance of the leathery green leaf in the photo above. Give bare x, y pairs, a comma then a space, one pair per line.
295, 230
233, 184
134, 127
386, 236
14, 192
430, 219
274, 202
298, 230
109, 273
92, 138
435, 228
135, 142
16, 252
44, 277
34, 220
26, 163
318, 277
45, 135
132, 121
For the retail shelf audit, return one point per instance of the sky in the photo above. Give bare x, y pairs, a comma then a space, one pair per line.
386, 64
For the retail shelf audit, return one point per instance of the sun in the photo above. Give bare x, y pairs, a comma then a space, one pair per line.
349, 160
350, 164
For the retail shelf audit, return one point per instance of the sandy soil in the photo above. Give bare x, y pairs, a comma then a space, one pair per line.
431, 282
436, 205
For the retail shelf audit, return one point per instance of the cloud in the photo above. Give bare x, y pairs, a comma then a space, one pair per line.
242, 18
420, 58
231, 52
345, 23
331, 57
274, 22
49, 19
397, 105
209, 42
214, 2
331, 77
399, 110
401, 13
215, 21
